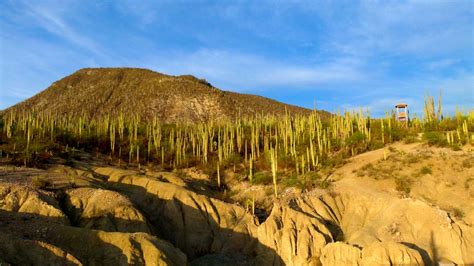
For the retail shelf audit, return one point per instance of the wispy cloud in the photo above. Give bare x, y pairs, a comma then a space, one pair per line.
441, 64
350, 54
416, 28
53, 16
241, 71
147, 12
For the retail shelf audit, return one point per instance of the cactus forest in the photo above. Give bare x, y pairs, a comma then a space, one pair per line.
292, 146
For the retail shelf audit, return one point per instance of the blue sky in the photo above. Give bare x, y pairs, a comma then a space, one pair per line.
344, 54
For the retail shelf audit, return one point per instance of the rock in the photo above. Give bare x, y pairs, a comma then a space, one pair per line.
104, 210
17, 198
390, 253
377, 253
376, 227
201, 225
294, 238
90, 247
363, 217
194, 223
17, 251
223, 260
296, 234
339, 253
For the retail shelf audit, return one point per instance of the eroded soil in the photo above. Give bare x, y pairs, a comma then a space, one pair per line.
405, 204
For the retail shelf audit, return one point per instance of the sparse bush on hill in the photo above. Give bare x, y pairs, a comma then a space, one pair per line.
456, 212
262, 178
467, 163
403, 184
357, 142
425, 170
435, 138
41, 182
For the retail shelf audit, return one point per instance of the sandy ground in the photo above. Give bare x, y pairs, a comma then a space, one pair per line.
439, 176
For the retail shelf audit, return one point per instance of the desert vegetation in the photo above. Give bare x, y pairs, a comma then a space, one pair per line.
230, 133
292, 149
267, 189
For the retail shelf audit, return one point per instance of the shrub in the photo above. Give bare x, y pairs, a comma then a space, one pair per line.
311, 180
324, 184
466, 183
357, 139
425, 170
403, 184
334, 161
455, 147
291, 181
435, 138
396, 133
392, 149
410, 139
467, 163
264, 178
40, 182
411, 159
456, 212
307, 181
374, 145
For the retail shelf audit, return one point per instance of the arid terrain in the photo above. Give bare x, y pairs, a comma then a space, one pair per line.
222, 133
119, 166
98, 92
94, 213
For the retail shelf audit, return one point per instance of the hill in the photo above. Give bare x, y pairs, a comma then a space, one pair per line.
100, 91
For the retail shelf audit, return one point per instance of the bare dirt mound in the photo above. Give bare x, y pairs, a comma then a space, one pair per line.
89, 246
296, 237
37, 228
20, 251
439, 176
364, 219
196, 224
377, 253
23, 199
103, 210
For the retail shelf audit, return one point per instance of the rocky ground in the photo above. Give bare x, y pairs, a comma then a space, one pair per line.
405, 204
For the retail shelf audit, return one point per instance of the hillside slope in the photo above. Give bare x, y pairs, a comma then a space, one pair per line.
100, 91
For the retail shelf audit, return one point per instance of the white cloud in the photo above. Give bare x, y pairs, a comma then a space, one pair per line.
415, 28
351, 54
441, 64
239, 71
52, 17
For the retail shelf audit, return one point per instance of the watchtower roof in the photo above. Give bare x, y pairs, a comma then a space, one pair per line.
401, 105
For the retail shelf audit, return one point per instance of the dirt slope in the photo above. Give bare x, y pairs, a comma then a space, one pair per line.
101, 91
438, 176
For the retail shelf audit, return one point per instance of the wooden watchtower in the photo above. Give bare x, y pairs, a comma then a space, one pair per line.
402, 112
